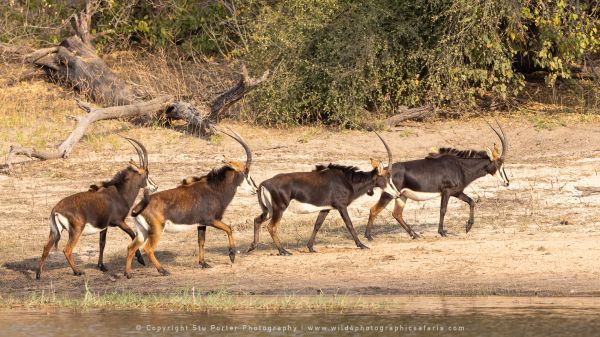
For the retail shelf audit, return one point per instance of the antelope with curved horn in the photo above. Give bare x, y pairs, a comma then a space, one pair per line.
321, 190
97, 209
197, 203
445, 173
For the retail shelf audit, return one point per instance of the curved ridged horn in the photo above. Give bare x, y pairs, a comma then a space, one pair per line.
240, 140
504, 142
502, 137
141, 151
389, 152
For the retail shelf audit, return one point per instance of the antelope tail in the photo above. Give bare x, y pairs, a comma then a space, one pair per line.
264, 200
54, 229
139, 208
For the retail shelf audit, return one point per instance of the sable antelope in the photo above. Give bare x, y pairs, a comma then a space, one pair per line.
445, 173
197, 203
94, 211
323, 189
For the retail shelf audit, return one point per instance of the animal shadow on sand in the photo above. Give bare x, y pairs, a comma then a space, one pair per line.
423, 229
114, 263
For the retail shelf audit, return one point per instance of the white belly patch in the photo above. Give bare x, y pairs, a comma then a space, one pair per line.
304, 208
419, 196
89, 229
62, 223
171, 227
295, 206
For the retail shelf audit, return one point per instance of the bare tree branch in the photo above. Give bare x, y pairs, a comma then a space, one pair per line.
235, 93
94, 114
588, 190
75, 65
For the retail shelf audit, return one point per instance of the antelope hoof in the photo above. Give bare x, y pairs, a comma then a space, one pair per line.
232, 254
251, 248
139, 258
38, 274
102, 267
369, 237
469, 226
443, 232
414, 236
78, 272
163, 272
127, 275
361, 246
311, 249
284, 252
204, 265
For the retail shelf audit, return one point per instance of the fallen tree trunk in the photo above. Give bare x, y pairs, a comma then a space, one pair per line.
94, 115
405, 114
74, 64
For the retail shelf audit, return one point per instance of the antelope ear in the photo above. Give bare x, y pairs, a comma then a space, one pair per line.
381, 170
489, 153
236, 166
374, 163
496, 152
135, 166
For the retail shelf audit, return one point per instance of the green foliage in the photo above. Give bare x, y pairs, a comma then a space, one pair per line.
38, 21
558, 34
336, 60
195, 27
339, 61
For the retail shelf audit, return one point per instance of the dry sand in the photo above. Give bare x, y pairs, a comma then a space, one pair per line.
539, 236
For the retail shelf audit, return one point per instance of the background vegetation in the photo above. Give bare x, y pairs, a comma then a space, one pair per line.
339, 61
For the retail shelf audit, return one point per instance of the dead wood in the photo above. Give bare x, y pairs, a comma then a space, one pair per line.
405, 114
75, 64
94, 115
588, 190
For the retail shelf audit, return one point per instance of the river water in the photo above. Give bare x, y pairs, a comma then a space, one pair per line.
414, 317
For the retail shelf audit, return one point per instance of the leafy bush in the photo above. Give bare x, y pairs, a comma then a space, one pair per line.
34, 21
195, 27
337, 61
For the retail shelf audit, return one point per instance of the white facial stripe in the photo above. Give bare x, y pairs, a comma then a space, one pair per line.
251, 181
390, 189
504, 174
248, 185
152, 185
391, 182
500, 174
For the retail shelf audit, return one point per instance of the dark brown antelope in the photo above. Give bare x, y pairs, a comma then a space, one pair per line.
325, 188
445, 173
197, 203
95, 210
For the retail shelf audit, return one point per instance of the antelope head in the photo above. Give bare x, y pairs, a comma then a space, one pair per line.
141, 168
496, 168
384, 174
247, 183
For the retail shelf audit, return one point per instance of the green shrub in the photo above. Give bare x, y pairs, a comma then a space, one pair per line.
335, 61
338, 61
